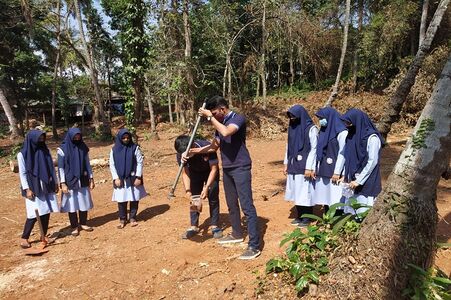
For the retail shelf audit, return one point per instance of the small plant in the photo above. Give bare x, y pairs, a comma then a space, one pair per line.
307, 254
428, 284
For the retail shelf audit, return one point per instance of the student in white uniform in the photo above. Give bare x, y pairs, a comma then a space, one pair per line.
76, 180
38, 182
126, 166
299, 162
329, 158
362, 155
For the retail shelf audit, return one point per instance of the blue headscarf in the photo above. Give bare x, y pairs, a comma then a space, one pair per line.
75, 158
38, 164
298, 131
124, 155
356, 142
334, 127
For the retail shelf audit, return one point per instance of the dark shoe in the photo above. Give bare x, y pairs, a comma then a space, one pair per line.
217, 233
295, 222
304, 222
189, 233
250, 253
229, 239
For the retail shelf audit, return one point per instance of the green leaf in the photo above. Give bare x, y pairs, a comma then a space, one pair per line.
442, 280
313, 275
301, 283
313, 217
340, 224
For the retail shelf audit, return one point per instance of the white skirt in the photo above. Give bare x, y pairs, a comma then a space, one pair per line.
76, 200
299, 190
129, 193
362, 200
326, 193
45, 204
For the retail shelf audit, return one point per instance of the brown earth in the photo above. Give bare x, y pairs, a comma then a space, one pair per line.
151, 261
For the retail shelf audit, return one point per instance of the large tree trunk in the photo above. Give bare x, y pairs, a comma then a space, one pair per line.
150, 105
188, 46
424, 16
100, 128
263, 59
355, 65
15, 132
55, 69
391, 115
401, 227
334, 92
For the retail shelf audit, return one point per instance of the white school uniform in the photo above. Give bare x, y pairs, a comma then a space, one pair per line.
373, 147
326, 192
77, 199
299, 189
45, 203
129, 193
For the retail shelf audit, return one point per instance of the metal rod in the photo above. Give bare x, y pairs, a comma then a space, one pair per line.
182, 164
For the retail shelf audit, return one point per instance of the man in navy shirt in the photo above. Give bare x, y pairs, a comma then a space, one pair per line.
200, 176
230, 137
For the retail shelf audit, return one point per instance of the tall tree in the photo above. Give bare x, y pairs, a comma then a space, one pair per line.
424, 16
15, 132
130, 19
56, 66
391, 115
262, 69
401, 227
355, 65
188, 52
334, 92
99, 114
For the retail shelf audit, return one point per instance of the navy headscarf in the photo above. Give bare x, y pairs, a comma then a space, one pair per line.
297, 131
124, 155
356, 142
334, 127
75, 158
38, 164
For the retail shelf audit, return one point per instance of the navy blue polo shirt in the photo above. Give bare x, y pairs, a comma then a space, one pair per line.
234, 152
200, 163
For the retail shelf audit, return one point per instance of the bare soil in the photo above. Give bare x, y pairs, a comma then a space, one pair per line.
151, 261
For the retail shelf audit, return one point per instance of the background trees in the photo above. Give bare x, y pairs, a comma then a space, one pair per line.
166, 56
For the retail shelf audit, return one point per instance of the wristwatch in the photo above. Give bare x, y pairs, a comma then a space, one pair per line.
209, 118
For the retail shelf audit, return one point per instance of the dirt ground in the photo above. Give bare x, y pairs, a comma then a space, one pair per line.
151, 261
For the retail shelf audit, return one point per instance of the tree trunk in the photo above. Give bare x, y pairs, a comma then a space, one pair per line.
188, 47
334, 92
171, 119
424, 16
149, 104
401, 228
15, 133
177, 109
355, 65
291, 58
55, 69
105, 129
107, 62
263, 59
229, 81
138, 96
391, 115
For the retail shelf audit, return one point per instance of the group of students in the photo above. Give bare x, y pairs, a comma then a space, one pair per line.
343, 154
39, 183
345, 149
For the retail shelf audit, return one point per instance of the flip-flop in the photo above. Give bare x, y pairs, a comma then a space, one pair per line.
86, 228
133, 223
49, 240
25, 245
121, 225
